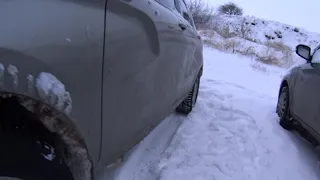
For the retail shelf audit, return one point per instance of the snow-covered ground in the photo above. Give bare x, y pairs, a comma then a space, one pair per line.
232, 134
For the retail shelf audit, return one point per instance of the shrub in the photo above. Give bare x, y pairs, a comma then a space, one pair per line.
243, 30
296, 29
231, 45
200, 11
230, 9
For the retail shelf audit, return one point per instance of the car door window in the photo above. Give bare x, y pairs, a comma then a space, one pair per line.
316, 57
183, 10
315, 62
167, 3
316, 49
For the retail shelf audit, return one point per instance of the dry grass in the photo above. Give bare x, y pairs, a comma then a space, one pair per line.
259, 67
286, 59
270, 55
231, 45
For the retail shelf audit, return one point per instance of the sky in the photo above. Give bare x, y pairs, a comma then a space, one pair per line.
300, 13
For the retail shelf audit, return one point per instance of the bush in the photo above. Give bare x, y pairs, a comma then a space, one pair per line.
243, 30
200, 11
230, 9
270, 58
226, 33
231, 45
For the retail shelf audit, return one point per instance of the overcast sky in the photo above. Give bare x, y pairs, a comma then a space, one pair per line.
301, 13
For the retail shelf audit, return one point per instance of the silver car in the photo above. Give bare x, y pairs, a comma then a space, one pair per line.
299, 99
83, 81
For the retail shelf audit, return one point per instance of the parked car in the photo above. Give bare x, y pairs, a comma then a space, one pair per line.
299, 99
83, 81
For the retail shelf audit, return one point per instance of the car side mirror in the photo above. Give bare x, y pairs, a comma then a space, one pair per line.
304, 52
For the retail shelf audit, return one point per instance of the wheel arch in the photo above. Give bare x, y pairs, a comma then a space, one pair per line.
19, 77
284, 83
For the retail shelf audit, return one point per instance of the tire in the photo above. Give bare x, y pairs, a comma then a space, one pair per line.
283, 109
28, 149
187, 104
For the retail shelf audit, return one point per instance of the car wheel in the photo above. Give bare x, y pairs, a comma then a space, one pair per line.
283, 109
187, 104
28, 150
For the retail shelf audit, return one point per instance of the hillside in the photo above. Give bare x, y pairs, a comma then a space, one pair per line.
271, 42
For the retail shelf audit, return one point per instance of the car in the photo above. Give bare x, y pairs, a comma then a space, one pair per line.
83, 81
299, 99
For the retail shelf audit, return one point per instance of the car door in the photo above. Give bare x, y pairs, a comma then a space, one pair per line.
193, 61
144, 48
314, 89
177, 44
307, 87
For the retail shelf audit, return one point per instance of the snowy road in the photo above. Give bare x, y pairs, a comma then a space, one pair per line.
232, 134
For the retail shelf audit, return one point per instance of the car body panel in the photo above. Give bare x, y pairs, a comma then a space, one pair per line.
126, 68
148, 66
63, 38
303, 82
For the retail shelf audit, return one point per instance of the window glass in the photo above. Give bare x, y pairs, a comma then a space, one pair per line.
167, 3
316, 57
183, 10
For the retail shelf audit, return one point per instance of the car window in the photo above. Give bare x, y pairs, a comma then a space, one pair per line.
167, 3
316, 49
316, 57
183, 10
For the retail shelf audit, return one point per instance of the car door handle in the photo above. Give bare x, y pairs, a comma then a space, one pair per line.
182, 26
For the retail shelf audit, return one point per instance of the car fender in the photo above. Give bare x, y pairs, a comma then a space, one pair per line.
41, 91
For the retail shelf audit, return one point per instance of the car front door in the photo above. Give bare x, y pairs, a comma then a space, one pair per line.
144, 49
306, 100
314, 88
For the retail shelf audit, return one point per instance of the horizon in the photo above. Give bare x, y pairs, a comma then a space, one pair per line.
274, 10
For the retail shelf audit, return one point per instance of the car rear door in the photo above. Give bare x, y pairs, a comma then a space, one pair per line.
174, 34
144, 48
193, 61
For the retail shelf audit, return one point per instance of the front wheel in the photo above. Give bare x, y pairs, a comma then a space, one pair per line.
283, 109
187, 104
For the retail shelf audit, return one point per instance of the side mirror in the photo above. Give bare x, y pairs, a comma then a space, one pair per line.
304, 51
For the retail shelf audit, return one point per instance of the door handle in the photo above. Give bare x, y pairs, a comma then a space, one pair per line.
182, 26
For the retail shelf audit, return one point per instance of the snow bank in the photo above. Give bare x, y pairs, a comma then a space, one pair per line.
269, 53
263, 30
271, 42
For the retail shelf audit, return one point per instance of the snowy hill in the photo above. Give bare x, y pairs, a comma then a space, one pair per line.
264, 30
269, 41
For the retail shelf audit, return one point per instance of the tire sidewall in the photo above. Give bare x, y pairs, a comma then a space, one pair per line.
285, 116
195, 91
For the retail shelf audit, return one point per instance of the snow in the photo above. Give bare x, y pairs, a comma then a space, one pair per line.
233, 132
264, 27
257, 38
13, 71
50, 155
2, 71
53, 91
30, 83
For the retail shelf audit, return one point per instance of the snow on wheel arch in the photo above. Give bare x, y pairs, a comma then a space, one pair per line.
53, 91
